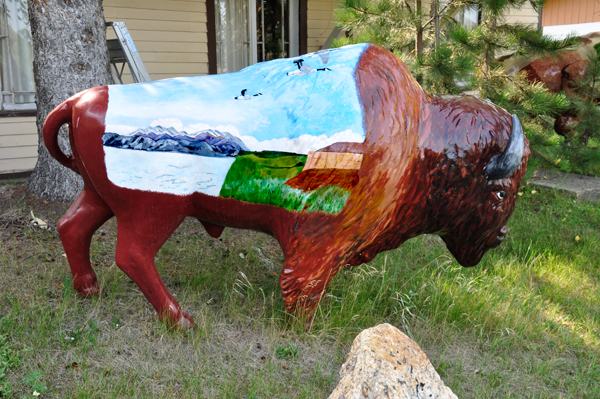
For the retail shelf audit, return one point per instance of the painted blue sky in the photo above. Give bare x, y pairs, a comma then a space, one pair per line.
294, 113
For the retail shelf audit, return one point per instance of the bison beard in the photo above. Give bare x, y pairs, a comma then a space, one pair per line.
423, 171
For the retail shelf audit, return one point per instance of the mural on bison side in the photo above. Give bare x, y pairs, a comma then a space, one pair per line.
256, 135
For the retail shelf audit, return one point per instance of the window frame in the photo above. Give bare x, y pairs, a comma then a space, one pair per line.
302, 29
11, 108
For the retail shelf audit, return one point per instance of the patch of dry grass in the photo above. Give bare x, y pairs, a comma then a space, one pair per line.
522, 324
113, 346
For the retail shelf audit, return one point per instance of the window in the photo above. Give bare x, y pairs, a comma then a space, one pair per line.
251, 31
16, 57
468, 16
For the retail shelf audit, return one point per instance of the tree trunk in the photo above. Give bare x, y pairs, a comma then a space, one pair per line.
419, 29
489, 56
70, 55
436, 16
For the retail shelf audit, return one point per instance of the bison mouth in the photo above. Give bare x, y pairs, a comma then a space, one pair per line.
469, 253
498, 239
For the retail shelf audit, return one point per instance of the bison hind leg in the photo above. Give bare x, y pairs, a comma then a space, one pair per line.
76, 229
139, 238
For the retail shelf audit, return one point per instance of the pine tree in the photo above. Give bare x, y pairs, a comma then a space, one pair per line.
411, 30
495, 40
473, 59
585, 99
580, 151
403, 27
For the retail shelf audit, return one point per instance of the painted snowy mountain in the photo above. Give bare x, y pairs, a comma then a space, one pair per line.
208, 143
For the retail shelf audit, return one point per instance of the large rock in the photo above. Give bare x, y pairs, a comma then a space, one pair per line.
385, 363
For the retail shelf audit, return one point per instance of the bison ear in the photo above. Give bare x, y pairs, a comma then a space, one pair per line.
504, 165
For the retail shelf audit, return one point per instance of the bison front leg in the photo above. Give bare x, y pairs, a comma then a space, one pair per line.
138, 241
303, 283
76, 229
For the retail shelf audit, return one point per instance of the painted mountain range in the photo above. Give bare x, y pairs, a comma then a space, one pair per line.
208, 143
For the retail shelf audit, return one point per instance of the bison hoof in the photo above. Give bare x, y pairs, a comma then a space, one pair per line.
87, 287
185, 323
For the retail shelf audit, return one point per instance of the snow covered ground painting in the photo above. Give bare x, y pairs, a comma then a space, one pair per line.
172, 173
291, 105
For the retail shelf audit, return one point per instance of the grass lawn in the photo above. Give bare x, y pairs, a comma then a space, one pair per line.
525, 323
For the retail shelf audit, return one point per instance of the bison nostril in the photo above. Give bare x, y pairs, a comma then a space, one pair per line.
503, 231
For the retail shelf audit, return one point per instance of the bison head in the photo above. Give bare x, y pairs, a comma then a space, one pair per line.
477, 162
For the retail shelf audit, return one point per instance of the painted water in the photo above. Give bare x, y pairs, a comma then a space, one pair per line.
166, 172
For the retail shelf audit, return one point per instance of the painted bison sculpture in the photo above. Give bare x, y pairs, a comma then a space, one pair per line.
338, 154
562, 73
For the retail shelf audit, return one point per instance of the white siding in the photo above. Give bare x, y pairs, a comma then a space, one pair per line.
172, 40
171, 35
320, 23
18, 144
524, 15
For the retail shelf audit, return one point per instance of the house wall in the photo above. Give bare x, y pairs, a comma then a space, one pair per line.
563, 12
170, 35
18, 144
172, 40
320, 23
524, 15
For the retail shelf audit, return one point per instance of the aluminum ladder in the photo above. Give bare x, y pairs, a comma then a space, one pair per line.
122, 51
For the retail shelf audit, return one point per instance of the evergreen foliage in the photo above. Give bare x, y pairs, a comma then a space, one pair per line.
472, 59
439, 70
585, 100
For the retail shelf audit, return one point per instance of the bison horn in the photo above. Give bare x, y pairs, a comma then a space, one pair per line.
504, 165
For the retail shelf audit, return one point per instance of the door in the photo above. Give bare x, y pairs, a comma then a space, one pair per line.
251, 31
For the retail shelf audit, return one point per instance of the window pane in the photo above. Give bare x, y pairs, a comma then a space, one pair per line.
231, 22
260, 24
17, 53
469, 17
272, 29
286, 29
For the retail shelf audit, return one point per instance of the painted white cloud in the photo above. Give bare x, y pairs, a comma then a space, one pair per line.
211, 112
302, 144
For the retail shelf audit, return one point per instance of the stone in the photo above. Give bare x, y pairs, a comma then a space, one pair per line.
582, 187
385, 363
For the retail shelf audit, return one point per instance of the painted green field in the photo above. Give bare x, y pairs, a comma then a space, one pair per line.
259, 177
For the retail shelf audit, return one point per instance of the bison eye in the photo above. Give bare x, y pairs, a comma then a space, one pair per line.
500, 195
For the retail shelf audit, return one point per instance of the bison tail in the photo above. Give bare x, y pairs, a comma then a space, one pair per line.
61, 115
